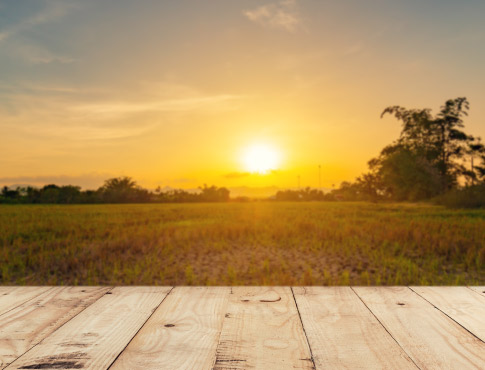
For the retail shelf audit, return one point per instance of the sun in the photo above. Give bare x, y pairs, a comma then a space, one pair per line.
261, 158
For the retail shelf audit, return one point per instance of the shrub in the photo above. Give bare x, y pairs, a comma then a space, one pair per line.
469, 197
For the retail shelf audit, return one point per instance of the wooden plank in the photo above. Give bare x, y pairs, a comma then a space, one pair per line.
262, 330
429, 337
478, 289
26, 325
11, 297
344, 334
95, 337
182, 334
460, 303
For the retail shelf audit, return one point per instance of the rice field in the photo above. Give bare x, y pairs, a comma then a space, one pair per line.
256, 243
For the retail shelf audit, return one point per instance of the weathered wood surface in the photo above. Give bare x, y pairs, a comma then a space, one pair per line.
429, 337
11, 297
478, 289
182, 333
26, 325
343, 333
262, 330
460, 304
96, 336
222, 328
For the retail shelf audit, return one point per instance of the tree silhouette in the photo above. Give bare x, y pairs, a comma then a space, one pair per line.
432, 156
120, 190
438, 141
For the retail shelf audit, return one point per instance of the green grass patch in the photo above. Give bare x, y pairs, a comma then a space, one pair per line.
242, 243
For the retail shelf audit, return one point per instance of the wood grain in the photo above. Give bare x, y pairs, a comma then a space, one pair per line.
182, 334
26, 325
226, 328
11, 297
344, 334
262, 330
95, 337
478, 289
460, 303
429, 337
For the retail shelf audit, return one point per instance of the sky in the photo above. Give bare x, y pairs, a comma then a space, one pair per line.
177, 93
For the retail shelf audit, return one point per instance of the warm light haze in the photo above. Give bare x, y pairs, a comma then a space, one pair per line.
261, 159
232, 93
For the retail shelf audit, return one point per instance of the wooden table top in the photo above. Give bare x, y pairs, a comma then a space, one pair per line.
222, 328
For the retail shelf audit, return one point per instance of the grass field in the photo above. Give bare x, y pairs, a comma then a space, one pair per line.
250, 243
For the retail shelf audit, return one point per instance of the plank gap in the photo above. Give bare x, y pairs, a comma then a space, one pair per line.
148, 318
98, 334
373, 314
21, 302
432, 340
40, 342
477, 289
444, 313
30, 323
312, 358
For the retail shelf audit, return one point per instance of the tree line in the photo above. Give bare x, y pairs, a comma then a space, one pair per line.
114, 190
433, 158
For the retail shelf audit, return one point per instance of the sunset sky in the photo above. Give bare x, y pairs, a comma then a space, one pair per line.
182, 93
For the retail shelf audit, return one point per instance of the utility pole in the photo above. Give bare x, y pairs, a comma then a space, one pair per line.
473, 177
319, 176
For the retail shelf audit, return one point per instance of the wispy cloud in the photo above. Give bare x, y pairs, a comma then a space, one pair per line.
78, 114
170, 105
28, 87
283, 15
52, 10
29, 50
35, 54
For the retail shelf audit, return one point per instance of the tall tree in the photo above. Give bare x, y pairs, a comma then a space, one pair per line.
431, 156
437, 143
119, 189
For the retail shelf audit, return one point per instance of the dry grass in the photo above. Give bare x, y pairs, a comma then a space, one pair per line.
253, 243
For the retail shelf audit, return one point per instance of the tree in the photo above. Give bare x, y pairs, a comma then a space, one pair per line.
438, 141
431, 156
120, 190
49, 194
213, 194
477, 162
10, 194
69, 194
399, 173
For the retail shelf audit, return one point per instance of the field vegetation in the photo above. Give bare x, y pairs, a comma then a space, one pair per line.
272, 243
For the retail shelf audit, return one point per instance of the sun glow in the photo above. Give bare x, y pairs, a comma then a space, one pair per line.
261, 158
